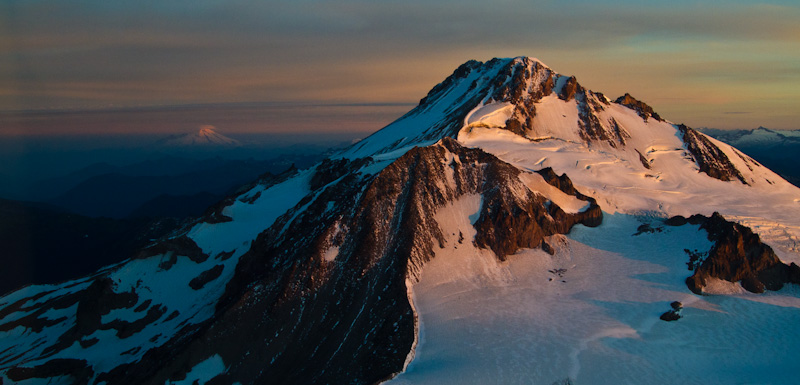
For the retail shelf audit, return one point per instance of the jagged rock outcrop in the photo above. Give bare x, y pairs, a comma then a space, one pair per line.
738, 255
525, 82
641, 108
710, 158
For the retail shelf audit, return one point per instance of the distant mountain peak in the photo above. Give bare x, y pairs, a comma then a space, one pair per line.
206, 136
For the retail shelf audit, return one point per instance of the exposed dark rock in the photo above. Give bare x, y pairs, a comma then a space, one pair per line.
671, 315
245, 199
224, 255
619, 132
126, 329
640, 107
677, 220
570, 88
34, 321
181, 245
738, 255
131, 351
697, 219
710, 158
172, 315
20, 304
507, 224
590, 128
87, 343
674, 314
647, 228
214, 213
78, 371
643, 159
143, 306
591, 217
96, 300
169, 260
331, 169
696, 258
99, 299
548, 248
515, 86
205, 277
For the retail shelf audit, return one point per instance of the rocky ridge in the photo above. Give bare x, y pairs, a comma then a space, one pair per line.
738, 255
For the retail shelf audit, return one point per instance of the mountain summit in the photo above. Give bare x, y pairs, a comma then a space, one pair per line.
206, 136
514, 227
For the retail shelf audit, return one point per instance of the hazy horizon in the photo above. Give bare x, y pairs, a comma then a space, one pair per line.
295, 122
731, 65
227, 118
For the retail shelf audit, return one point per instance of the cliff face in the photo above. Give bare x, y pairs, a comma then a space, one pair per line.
738, 255
710, 158
641, 108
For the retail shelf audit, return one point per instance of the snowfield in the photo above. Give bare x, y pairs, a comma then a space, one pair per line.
590, 313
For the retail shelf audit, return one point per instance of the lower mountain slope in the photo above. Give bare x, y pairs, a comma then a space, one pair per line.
340, 287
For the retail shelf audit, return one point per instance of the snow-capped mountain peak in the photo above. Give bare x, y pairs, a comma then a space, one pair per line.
206, 136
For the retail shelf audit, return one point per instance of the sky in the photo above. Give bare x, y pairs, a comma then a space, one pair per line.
731, 64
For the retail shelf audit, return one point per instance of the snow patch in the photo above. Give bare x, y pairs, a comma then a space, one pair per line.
569, 203
250, 219
718, 286
490, 115
203, 371
331, 253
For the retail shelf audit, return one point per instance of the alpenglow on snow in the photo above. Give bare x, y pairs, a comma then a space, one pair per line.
514, 227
